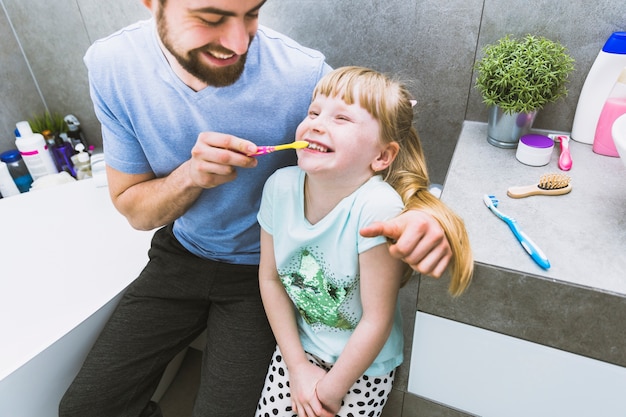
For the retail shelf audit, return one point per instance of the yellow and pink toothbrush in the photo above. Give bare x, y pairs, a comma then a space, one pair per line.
262, 150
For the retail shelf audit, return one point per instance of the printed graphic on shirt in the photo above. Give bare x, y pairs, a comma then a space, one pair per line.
318, 300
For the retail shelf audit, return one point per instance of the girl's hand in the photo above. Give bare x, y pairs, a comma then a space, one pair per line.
302, 381
329, 398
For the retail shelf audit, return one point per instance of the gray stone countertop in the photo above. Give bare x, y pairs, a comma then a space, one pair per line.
583, 233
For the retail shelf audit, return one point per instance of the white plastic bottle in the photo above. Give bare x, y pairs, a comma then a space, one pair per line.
34, 151
8, 187
598, 84
82, 163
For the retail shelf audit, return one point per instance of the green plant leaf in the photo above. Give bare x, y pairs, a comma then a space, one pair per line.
48, 121
523, 75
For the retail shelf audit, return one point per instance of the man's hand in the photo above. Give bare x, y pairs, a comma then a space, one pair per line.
215, 156
417, 239
149, 202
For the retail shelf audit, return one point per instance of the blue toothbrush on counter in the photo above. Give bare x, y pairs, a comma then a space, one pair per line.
533, 250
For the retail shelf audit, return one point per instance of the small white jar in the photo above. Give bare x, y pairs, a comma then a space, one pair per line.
534, 150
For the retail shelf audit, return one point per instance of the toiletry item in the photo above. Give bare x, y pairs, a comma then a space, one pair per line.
598, 84
17, 169
98, 169
82, 163
34, 151
52, 180
74, 133
619, 137
262, 150
49, 137
549, 184
534, 150
565, 157
63, 153
8, 187
529, 246
614, 107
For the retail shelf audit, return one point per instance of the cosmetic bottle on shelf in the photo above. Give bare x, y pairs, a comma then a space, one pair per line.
74, 133
613, 108
34, 151
17, 169
82, 163
600, 79
8, 187
62, 152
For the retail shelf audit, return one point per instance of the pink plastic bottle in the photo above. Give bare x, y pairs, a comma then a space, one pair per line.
614, 107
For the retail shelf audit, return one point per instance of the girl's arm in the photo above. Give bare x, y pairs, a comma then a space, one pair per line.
303, 375
381, 276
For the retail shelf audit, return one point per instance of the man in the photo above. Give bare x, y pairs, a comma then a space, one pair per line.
162, 90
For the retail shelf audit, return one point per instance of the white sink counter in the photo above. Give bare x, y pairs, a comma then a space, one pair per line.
583, 233
66, 254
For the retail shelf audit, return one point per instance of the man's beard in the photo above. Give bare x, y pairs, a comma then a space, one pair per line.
192, 63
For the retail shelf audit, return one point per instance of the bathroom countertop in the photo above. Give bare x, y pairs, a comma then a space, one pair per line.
583, 233
520, 334
578, 305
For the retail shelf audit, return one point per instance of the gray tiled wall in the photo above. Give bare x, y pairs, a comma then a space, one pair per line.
41, 55
431, 43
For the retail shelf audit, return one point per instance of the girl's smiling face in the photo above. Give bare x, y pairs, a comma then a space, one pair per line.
344, 141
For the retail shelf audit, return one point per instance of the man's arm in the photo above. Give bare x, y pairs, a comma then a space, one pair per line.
149, 202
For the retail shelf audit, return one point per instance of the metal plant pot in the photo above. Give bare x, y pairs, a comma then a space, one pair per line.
504, 130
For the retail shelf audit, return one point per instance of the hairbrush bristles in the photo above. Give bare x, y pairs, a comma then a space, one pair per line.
553, 181
549, 184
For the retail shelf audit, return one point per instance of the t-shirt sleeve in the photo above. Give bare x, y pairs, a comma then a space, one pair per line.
265, 215
383, 204
122, 150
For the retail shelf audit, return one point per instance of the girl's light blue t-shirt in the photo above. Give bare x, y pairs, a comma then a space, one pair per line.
151, 120
319, 263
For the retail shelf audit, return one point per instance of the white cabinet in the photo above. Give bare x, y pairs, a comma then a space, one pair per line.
490, 374
66, 255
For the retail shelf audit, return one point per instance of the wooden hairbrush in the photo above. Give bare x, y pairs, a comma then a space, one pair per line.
549, 184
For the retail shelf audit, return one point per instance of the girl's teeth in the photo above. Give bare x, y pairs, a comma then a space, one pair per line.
317, 147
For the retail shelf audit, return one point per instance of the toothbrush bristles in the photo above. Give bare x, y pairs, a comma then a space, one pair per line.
553, 181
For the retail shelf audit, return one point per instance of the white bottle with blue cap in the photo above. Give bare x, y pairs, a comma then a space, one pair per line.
598, 84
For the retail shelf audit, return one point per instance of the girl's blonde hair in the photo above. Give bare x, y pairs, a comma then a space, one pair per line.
390, 102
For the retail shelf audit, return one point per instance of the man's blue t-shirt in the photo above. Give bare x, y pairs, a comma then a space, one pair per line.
151, 120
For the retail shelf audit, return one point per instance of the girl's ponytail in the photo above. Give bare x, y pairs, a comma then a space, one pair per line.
409, 176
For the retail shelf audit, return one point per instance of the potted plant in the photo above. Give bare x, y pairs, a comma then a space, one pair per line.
518, 77
48, 124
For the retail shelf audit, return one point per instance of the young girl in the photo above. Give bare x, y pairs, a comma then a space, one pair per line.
329, 293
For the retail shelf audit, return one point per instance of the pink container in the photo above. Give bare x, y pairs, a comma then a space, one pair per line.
614, 107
